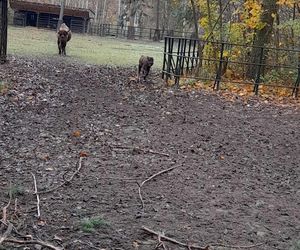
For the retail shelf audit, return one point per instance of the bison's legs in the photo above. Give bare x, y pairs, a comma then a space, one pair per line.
59, 47
64, 50
63, 47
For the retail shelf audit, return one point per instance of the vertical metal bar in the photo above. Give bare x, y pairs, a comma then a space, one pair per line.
3, 35
257, 80
170, 55
183, 58
218, 74
193, 55
189, 55
165, 58
297, 83
177, 65
38, 20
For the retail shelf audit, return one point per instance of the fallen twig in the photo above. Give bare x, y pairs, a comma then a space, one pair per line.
7, 233
4, 210
67, 180
141, 150
150, 178
237, 247
32, 242
160, 243
161, 236
37, 196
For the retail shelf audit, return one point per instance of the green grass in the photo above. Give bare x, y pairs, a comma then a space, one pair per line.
89, 225
85, 48
16, 191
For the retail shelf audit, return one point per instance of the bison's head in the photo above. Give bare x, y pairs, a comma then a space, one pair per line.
63, 35
150, 61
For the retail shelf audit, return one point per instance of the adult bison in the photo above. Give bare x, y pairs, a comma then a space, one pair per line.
64, 35
145, 64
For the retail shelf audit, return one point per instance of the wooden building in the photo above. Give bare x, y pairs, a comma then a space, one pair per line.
45, 14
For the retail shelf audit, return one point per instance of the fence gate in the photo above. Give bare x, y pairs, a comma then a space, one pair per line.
3, 30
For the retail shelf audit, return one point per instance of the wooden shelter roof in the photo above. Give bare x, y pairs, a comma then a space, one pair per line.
49, 8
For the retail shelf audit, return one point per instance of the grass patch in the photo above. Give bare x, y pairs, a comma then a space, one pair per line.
16, 191
89, 225
296, 245
90, 49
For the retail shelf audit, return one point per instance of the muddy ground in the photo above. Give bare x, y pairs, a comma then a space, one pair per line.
236, 176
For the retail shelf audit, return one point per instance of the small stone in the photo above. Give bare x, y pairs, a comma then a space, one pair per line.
260, 234
37, 247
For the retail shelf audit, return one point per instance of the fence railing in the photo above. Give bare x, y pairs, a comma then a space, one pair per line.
222, 63
137, 33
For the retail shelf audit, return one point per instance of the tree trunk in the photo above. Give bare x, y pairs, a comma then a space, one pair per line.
156, 36
199, 46
131, 30
104, 12
262, 37
61, 13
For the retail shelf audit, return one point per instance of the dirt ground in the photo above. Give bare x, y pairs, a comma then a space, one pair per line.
235, 180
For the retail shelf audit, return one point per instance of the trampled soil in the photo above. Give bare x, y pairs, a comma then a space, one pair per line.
236, 176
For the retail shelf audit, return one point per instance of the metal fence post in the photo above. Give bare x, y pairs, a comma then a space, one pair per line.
297, 83
218, 74
178, 63
170, 57
3, 30
165, 58
257, 80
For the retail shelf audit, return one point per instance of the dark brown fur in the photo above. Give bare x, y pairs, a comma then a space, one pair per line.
64, 35
145, 64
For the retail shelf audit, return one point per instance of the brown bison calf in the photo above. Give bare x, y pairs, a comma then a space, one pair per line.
145, 63
63, 36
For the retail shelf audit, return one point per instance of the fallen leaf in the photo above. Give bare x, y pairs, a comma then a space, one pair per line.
41, 223
76, 133
83, 154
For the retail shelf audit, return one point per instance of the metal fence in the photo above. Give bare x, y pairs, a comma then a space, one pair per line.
210, 61
137, 33
49, 21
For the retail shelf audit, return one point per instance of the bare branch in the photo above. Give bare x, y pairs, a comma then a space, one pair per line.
4, 210
161, 236
37, 196
6, 234
33, 242
150, 178
67, 180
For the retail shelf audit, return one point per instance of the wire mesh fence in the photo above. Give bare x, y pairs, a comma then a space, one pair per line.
223, 63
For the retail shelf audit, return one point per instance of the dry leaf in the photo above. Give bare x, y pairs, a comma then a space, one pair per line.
83, 154
41, 223
76, 133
